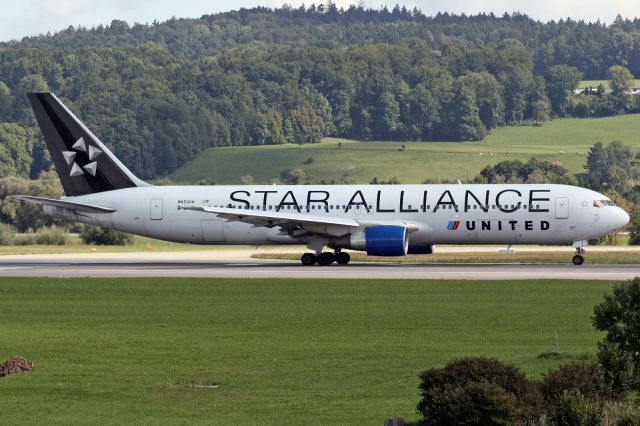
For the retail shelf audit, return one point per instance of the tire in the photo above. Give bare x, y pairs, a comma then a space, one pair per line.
326, 258
308, 259
578, 259
342, 258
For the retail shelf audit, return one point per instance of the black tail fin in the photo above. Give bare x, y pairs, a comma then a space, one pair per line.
84, 164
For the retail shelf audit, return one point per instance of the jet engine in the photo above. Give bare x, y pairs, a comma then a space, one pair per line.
384, 240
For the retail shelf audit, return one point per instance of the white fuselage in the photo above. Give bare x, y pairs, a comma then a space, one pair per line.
438, 214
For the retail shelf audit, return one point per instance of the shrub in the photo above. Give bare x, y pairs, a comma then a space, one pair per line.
104, 236
6, 234
619, 316
51, 236
458, 374
617, 368
24, 239
583, 378
475, 403
574, 409
621, 413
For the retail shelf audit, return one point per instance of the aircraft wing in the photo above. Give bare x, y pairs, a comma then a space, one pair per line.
315, 224
77, 207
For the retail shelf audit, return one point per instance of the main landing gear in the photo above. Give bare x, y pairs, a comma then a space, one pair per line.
325, 258
578, 259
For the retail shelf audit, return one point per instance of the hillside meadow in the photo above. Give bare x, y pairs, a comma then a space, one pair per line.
564, 140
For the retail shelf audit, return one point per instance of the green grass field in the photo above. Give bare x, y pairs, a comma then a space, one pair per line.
294, 352
566, 140
595, 83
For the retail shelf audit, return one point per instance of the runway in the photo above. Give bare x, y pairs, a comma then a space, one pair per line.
239, 264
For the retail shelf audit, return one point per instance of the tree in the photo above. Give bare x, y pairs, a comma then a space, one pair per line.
488, 95
540, 111
621, 82
5, 102
609, 167
389, 115
619, 316
15, 150
634, 227
294, 177
561, 81
465, 121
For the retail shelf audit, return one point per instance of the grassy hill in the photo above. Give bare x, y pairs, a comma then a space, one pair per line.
567, 141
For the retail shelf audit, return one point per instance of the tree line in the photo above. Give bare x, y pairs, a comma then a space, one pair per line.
158, 94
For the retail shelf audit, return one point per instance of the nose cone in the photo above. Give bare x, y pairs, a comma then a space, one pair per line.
620, 218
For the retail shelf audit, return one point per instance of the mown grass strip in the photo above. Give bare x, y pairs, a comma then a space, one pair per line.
119, 351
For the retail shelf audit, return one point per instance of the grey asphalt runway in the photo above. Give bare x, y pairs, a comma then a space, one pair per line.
241, 265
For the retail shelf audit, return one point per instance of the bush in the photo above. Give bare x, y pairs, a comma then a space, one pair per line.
621, 413
105, 236
51, 236
574, 409
476, 403
6, 234
619, 316
24, 239
453, 379
617, 368
582, 378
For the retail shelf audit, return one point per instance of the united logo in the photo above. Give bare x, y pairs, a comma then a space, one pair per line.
453, 225
92, 153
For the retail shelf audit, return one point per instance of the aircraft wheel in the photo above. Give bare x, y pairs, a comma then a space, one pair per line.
326, 258
578, 259
308, 259
342, 258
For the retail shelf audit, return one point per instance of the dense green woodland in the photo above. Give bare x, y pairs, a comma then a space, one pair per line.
158, 94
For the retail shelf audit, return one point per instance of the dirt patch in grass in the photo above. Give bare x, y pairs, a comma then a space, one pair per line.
14, 365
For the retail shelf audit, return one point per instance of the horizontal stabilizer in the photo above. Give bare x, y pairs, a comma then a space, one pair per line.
77, 207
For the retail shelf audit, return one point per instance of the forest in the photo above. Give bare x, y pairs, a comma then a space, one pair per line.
160, 93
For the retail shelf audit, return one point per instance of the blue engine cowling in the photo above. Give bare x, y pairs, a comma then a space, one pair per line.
384, 240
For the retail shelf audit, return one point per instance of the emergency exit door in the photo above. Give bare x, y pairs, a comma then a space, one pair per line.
156, 209
562, 208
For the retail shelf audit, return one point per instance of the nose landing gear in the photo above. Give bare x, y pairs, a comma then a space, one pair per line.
578, 259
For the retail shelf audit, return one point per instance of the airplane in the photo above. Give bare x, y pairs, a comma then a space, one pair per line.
381, 220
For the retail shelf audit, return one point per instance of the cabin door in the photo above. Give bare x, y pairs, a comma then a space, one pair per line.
156, 209
562, 208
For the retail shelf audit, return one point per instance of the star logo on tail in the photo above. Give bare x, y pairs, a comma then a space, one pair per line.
92, 152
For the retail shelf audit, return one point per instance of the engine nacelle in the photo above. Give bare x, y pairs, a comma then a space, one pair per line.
385, 240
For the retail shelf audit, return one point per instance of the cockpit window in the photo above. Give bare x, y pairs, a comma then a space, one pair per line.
603, 203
